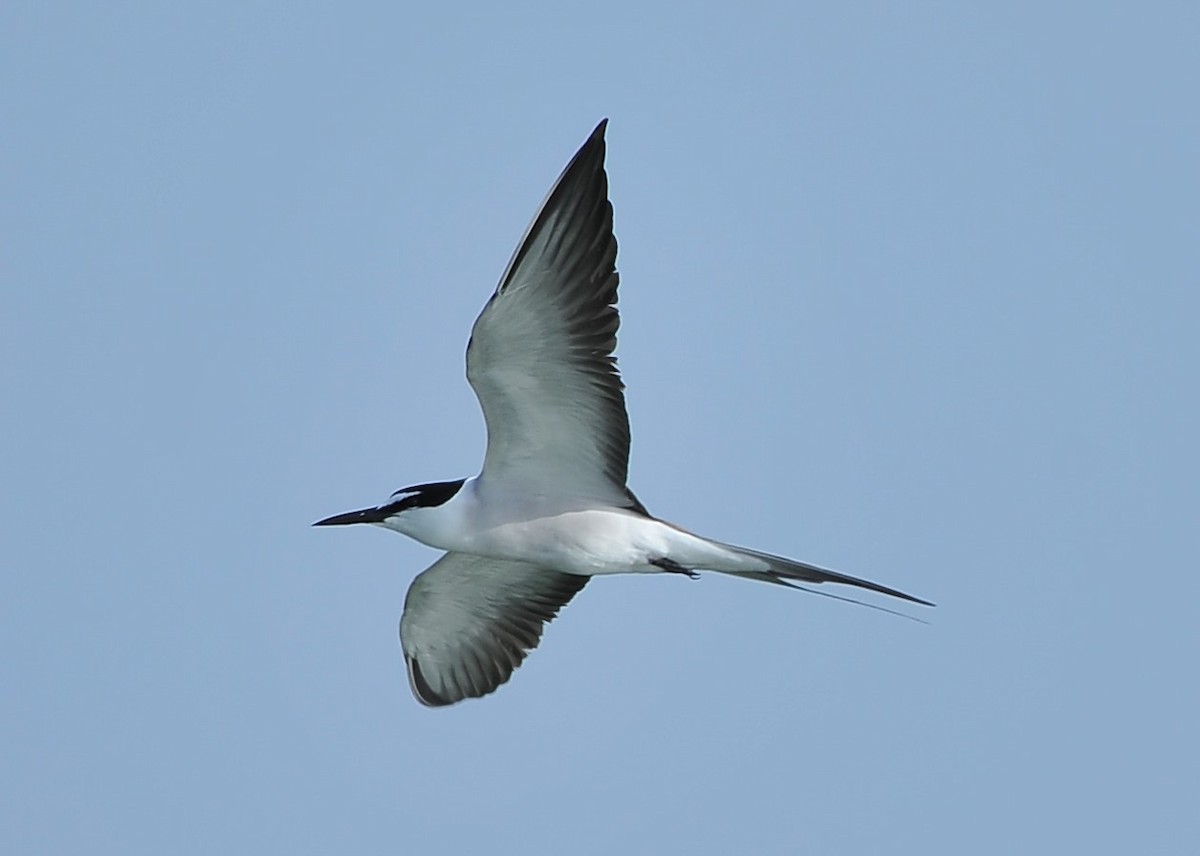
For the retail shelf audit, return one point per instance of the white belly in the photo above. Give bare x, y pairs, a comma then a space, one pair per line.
601, 542
579, 542
576, 540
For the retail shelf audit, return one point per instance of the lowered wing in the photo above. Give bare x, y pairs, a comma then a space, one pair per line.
469, 621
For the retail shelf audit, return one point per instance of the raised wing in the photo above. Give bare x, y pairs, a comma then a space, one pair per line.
541, 353
469, 621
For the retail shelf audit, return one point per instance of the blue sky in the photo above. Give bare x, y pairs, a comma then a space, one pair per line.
909, 290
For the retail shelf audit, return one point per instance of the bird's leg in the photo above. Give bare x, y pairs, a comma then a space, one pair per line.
674, 567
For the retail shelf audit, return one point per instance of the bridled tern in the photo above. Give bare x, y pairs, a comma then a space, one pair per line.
550, 508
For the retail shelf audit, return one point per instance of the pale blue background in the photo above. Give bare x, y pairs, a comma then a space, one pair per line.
908, 289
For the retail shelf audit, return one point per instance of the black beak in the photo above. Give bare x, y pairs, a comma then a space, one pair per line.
367, 515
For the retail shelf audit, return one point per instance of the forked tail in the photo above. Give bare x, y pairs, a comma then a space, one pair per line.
783, 571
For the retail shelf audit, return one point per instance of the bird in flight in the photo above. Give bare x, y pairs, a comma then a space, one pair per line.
550, 509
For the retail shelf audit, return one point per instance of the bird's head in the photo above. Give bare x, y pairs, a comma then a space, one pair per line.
401, 509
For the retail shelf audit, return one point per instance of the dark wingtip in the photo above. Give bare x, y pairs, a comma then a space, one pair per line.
422, 690
595, 142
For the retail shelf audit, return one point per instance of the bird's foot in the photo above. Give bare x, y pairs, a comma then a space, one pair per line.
673, 567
